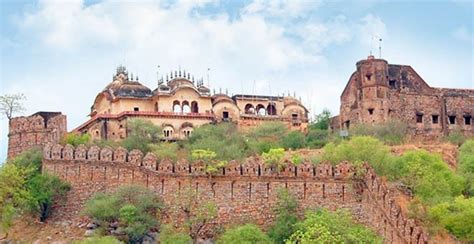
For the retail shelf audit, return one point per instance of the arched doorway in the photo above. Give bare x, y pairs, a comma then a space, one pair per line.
249, 109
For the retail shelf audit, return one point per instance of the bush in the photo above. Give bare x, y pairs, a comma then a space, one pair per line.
76, 139
323, 226
44, 189
466, 165
455, 137
317, 138
362, 149
135, 208
392, 132
248, 233
208, 157
169, 235
223, 139
321, 121
456, 216
13, 194
286, 218
99, 240
294, 140
30, 160
165, 150
266, 136
274, 157
429, 177
140, 133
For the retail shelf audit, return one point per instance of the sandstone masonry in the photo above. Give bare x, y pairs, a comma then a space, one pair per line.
242, 192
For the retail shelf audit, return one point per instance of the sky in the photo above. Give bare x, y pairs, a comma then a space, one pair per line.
61, 54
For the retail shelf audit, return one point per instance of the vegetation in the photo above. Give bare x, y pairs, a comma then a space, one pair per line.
165, 150
24, 189
245, 234
456, 216
134, 207
274, 157
76, 139
11, 104
99, 239
455, 137
466, 165
392, 132
285, 212
140, 134
323, 226
208, 157
169, 235
321, 121
294, 140
266, 136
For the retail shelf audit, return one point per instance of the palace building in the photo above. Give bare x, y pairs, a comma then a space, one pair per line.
179, 104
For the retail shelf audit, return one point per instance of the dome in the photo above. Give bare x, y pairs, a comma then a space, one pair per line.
131, 89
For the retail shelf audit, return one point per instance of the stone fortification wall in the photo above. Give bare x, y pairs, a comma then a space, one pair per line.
245, 192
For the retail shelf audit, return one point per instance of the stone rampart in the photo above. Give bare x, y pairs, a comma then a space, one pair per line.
243, 192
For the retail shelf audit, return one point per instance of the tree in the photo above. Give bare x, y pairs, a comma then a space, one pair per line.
197, 214
76, 139
466, 165
169, 235
323, 226
322, 120
274, 157
140, 133
245, 234
208, 157
11, 104
456, 216
44, 189
286, 218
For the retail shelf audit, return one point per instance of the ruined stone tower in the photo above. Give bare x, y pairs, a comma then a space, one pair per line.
35, 131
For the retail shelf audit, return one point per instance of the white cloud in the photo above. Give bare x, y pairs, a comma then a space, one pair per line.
282, 8
463, 34
370, 30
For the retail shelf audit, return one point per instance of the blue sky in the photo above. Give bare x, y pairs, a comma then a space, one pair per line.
60, 54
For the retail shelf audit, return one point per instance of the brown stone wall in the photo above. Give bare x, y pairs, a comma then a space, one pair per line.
243, 193
35, 131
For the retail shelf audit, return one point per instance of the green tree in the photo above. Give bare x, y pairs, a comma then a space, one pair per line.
76, 139
245, 234
285, 212
321, 121
323, 226
44, 190
274, 157
165, 150
208, 157
141, 133
294, 140
456, 216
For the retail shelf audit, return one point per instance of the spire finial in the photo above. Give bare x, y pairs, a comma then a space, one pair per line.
131, 76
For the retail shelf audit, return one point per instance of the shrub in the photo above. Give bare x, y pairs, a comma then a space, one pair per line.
13, 194
323, 226
140, 133
208, 157
76, 139
98, 240
248, 233
321, 121
266, 136
455, 137
165, 150
223, 139
169, 235
294, 140
30, 161
456, 216
274, 157
135, 208
429, 177
392, 132
466, 165
361, 149
44, 189
286, 218
317, 138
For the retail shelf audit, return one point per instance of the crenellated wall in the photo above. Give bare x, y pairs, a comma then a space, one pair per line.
242, 192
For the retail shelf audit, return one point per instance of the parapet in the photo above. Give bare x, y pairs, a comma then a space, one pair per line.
251, 167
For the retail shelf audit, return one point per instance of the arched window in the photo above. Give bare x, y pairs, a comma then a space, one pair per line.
249, 109
176, 107
261, 110
186, 108
271, 110
194, 107
156, 106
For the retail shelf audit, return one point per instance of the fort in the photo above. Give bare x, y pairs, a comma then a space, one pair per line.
242, 192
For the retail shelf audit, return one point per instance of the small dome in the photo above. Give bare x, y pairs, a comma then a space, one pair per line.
131, 89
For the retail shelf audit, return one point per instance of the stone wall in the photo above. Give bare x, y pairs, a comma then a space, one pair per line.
35, 130
242, 192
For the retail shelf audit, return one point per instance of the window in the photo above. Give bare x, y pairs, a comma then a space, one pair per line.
452, 119
467, 119
225, 115
347, 124
371, 111
368, 76
136, 109
392, 84
434, 119
419, 118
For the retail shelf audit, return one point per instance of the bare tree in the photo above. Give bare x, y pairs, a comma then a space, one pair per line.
11, 104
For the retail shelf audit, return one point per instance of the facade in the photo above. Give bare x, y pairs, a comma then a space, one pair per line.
179, 104
378, 92
35, 130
